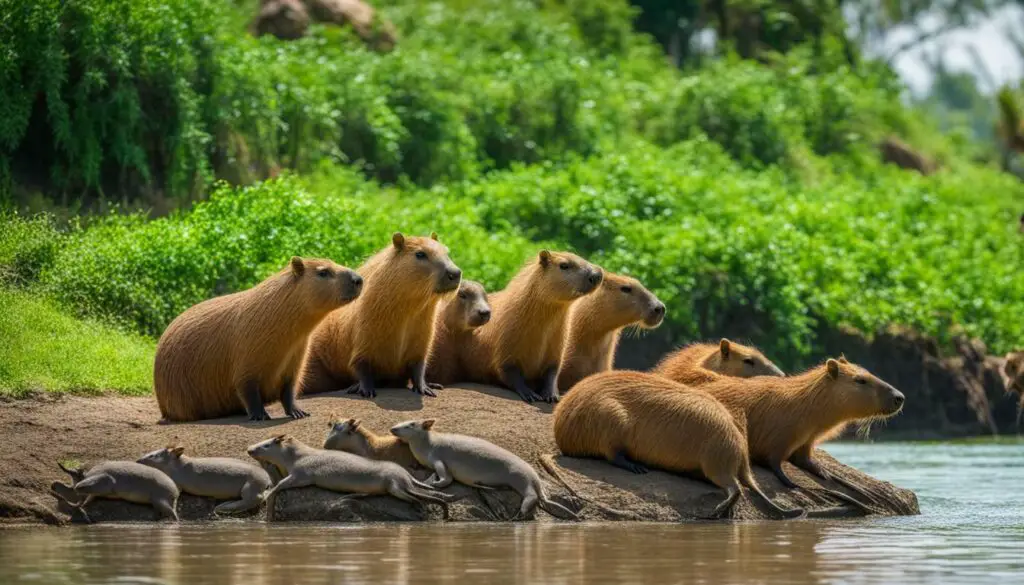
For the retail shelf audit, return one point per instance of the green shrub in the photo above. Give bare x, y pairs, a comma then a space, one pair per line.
27, 245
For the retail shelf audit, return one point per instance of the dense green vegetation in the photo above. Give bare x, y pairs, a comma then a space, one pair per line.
737, 190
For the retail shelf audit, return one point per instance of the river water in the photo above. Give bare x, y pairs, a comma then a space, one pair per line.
971, 530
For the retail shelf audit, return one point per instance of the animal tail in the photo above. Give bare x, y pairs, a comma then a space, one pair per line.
422, 485
747, 478
76, 474
547, 461
434, 495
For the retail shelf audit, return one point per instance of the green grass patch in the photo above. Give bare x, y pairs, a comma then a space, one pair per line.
42, 348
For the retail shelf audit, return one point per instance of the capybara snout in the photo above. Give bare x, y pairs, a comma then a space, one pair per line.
351, 285
655, 316
896, 400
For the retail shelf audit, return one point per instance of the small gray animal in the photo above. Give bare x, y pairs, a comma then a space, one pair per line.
342, 472
352, 436
476, 463
123, 480
221, 478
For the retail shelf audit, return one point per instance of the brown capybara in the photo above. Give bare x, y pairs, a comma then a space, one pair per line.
785, 417
458, 320
522, 346
352, 436
385, 335
636, 419
240, 351
700, 363
1013, 372
597, 320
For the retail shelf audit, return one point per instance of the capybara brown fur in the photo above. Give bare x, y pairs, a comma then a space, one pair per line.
597, 320
522, 346
785, 417
458, 320
1013, 372
700, 363
238, 352
385, 335
352, 436
636, 419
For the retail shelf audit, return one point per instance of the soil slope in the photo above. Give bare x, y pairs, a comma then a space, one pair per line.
39, 431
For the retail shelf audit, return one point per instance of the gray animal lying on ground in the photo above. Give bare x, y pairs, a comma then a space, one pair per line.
119, 480
221, 478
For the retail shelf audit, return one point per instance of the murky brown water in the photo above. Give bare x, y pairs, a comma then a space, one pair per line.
971, 531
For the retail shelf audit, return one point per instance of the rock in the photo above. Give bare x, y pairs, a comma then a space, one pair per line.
290, 19
111, 427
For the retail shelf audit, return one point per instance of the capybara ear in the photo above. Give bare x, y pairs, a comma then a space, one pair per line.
398, 240
545, 257
177, 451
332, 420
433, 236
354, 423
428, 423
842, 358
725, 346
298, 266
279, 438
833, 368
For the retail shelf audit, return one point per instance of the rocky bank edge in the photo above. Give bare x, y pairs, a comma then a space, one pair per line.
39, 431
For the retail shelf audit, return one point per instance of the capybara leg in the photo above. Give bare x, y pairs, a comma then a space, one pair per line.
166, 509
776, 467
253, 401
80, 506
97, 485
621, 460
418, 374
288, 401
249, 498
529, 505
64, 492
289, 482
364, 387
557, 510
802, 459
514, 377
444, 477
549, 384
732, 495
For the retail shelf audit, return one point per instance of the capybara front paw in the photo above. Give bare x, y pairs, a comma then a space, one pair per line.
424, 390
552, 398
435, 386
262, 415
298, 413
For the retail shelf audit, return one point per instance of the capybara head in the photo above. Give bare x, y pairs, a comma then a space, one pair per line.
567, 276
162, 458
344, 436
469, 309
626, 301
741, 361
323, 283
411, 428
1013, 372
862, 394
272, 450
426, 261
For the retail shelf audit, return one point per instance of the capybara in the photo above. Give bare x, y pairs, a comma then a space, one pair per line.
1013, 372
477, 463
120, 480
522, 346
352, 436
636, 419
243, 350
700, 363
458, 320
785, 417
339, 471
385, 335
221, 478
597, 320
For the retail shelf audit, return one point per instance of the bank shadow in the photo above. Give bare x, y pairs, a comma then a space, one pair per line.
502, 393
241, 421
390, 398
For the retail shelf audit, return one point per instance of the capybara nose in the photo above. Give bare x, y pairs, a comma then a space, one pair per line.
595, 277
898, 399
357, 281
659, 309
454, 275
484, 315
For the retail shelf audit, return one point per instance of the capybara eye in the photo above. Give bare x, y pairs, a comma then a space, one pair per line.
860, 380
323, 273
626, 289
462, 295
564, 266
421, 254
748, 361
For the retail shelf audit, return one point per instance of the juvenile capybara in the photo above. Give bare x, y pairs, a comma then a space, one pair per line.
352, 436
385, 335
458, 320
597, 320
521, 348
636, 419
700, 363
238, 352
785, 417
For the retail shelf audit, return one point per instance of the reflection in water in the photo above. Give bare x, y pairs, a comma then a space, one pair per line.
969, 532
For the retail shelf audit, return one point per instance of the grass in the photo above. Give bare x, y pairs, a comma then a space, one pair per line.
43, 348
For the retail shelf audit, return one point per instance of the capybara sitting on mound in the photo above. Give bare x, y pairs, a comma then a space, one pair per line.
784, 418
457, 322
635, 419
353, 437
243, 350
597, 320
522, 346
385, 335
700, 363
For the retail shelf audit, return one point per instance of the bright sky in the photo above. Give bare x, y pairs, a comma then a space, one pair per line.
988, 39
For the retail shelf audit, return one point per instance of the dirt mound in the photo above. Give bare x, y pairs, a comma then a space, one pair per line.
40, 431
